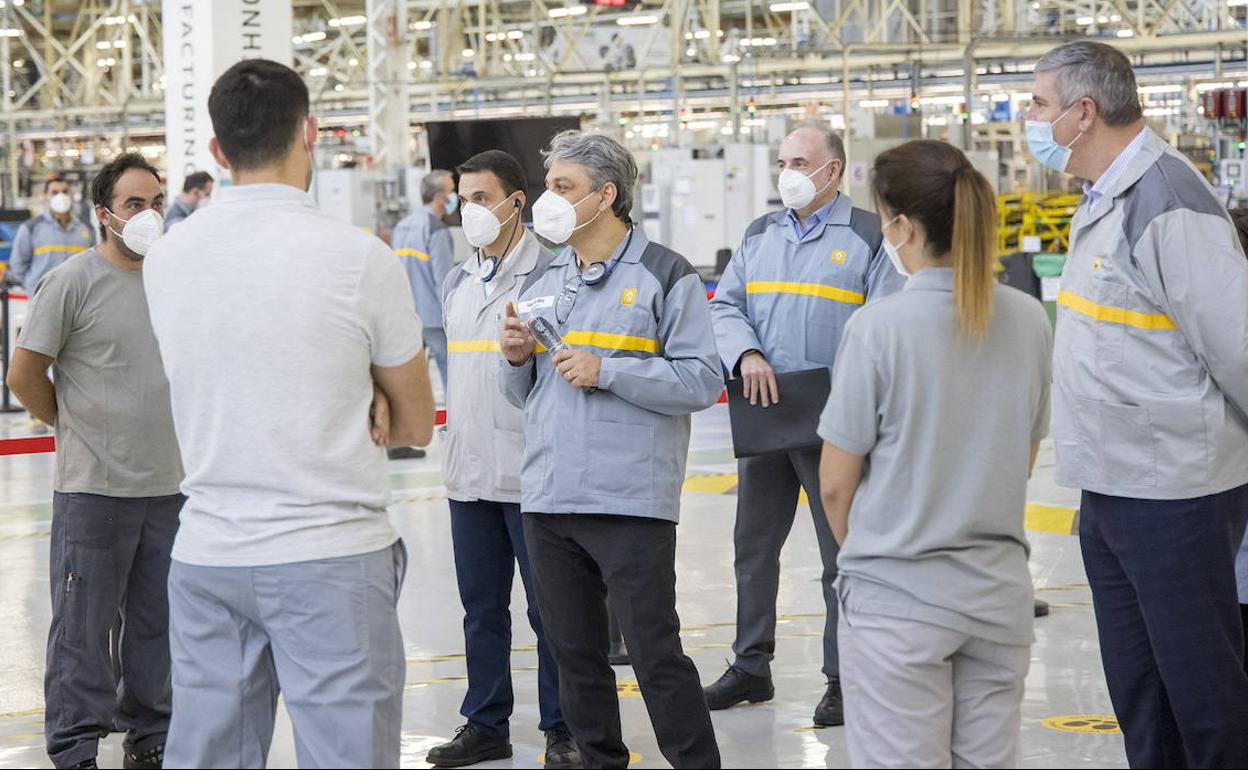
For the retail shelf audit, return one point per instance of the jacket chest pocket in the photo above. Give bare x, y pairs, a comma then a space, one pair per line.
1110, 296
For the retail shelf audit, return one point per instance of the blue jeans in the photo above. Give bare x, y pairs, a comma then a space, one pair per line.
435, 342
1162, 574
489, 542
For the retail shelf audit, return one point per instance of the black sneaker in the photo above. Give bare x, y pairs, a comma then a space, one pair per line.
1041, 608
737, 686
618, 654
152, 759
405, 453
561, 751
470, 745
86, 764
831, 709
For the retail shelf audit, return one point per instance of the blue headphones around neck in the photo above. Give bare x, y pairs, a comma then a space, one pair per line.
598, 272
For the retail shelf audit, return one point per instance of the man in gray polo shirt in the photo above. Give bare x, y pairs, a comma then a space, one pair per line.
115, 508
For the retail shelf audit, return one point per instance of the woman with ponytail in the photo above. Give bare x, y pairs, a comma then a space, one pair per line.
940, 396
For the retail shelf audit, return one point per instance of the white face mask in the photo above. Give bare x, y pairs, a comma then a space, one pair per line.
140, 230
61, 203
481, 227
554, 218
894, 252
796, 189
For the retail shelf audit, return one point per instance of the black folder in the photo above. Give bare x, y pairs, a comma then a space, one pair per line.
783, 427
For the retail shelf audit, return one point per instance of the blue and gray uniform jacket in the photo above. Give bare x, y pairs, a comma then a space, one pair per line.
789, 298
176, 212
1151, 351
42, 244
621, 450
423, 243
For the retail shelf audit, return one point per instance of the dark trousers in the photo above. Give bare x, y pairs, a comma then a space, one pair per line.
1243, 616
489, 542
577, 559
109, 555
1162, 574
766, 506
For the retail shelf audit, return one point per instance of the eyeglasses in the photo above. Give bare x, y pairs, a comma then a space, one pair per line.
567, 299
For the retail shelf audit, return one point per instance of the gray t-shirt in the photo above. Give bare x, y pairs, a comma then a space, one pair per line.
114, 430
936, 530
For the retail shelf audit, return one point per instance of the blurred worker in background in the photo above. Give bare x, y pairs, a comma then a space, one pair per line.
1150, 410
607, 425
196, 192
116, 502
781, 306
423, 243
48, 239
483, 449
286, 570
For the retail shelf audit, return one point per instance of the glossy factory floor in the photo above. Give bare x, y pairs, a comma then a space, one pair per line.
1065, 691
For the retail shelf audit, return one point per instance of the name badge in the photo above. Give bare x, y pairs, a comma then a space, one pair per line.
533, 305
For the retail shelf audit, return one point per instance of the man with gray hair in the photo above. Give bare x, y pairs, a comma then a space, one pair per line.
1151, 411
423, 244
781, 306
607, 420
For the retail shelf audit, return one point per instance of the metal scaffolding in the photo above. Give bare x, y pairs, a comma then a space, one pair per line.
93, 68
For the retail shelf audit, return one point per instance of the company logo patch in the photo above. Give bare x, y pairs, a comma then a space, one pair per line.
628, 297
838, 257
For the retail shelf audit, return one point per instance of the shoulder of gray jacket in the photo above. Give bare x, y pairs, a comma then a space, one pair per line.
758, 226
866, 225
1171, 184
667, 267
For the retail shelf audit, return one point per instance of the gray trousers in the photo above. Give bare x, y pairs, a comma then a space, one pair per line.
325, 634
109, 558
766, 504
920, 696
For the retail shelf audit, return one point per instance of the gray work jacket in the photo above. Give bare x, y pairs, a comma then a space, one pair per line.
1151, 351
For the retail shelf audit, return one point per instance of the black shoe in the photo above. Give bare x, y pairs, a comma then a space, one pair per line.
1042, 608
405, 453
470, 745
618, 654
86, 764
561, 751
736, 686
831, 709
152, 759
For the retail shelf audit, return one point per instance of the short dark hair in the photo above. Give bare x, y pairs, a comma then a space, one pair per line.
197, 181
501, 164
1240, 217
256, 108
105, 183
53, 179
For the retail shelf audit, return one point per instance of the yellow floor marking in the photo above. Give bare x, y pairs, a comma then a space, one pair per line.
715, 484
1083, 723
628, 688
1050, 518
